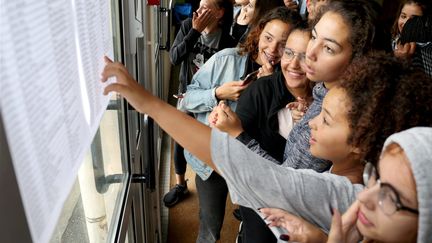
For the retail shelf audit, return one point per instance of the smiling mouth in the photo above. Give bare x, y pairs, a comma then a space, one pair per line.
270, 58
295, 74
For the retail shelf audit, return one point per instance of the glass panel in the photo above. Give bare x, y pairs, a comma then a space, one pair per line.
92, 209
91, 212
130, 232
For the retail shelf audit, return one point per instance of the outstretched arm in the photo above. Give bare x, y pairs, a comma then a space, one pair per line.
191, 134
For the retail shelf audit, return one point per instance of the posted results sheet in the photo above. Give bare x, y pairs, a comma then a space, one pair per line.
51, 99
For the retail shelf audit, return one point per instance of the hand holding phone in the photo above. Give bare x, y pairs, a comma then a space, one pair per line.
250, 77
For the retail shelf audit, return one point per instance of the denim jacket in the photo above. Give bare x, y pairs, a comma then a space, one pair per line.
224, 66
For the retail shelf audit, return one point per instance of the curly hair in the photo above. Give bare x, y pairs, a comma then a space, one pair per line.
386, 96
250, 46
361, 16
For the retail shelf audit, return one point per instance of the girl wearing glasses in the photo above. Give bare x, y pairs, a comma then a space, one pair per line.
395, 205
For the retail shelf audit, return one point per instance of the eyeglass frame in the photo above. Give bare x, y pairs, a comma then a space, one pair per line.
370, 170
301, 56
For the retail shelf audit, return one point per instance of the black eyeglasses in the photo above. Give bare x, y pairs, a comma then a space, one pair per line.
388, 198
289, 55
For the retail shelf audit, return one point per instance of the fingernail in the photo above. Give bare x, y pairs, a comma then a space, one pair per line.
284, 237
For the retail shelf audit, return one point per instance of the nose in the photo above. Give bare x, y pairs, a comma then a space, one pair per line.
295, 62
311, 50
369, 197
312, 123
274, 47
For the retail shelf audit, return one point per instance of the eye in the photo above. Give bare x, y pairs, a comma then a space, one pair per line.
313, 37
325, 121
328, 49
268, 38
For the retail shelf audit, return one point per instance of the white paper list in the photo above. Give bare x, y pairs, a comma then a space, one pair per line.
41, 99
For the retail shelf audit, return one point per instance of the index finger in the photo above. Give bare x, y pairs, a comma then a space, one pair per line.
335, 234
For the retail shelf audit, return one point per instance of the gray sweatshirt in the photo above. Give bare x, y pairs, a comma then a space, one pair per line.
254, 182
417, 145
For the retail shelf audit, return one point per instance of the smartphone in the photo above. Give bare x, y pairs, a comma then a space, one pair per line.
178, 96
250, 77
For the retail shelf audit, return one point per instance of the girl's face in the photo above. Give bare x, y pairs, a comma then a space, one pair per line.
408, 11
295, 77
374, 220
249, 9
329, 51
272, 41
210, 4
330, 129
313, 7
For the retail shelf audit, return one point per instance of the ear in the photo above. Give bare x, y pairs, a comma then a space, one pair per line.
356, 150
220, 13
308, 5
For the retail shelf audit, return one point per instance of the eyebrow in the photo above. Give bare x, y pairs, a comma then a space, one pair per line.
328, 113
401, 195
328, 39
269, 34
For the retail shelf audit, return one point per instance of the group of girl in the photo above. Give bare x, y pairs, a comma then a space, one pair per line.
359, 100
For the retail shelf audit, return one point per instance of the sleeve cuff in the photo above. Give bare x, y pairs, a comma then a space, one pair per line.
214, 95
244, 138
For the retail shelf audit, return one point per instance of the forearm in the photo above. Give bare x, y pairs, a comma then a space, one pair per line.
197, 100
188, 132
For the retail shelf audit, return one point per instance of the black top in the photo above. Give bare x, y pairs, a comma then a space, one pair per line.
257, 109
238, 31
184, 43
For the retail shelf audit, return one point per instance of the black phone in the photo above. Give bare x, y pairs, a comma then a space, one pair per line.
250, 77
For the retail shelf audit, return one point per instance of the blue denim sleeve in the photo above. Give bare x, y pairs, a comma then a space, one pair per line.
199, 96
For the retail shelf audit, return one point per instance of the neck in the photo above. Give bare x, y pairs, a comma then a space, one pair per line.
211, 28
301, 92
330, 85
350, 168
